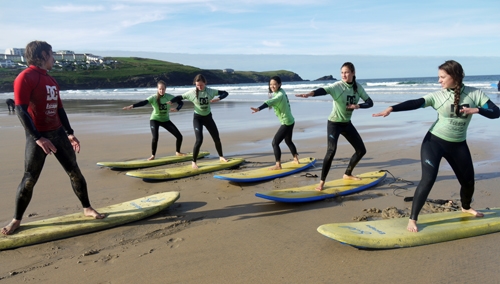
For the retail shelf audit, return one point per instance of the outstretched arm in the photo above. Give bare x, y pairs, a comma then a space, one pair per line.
257, 109
407, 105
315, 93
139, 104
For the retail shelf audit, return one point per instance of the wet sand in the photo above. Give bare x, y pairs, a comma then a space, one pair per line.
218, 232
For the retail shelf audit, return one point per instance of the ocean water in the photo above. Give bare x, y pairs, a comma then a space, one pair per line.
380, 90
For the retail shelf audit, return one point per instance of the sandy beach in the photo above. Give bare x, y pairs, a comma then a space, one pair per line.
218, 232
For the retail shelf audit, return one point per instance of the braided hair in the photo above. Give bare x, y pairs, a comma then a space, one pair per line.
455, 70
351, 67
199, 78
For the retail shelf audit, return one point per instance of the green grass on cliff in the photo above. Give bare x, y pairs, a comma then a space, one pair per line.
129, 68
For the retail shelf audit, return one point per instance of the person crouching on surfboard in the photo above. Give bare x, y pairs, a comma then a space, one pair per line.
346, 95
39, 107
201, 97
455, 104
160, 117
279, 101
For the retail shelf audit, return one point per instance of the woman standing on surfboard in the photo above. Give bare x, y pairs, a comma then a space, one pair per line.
279, 101
455, 104
48, 131
160, 117
201, 97
346, 95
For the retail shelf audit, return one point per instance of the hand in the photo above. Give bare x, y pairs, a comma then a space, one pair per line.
384, 113
173, 109
468, 110
215, 100
46, 145
352, 106
305, 95
74, 142
169, 103
255, 109
128, 107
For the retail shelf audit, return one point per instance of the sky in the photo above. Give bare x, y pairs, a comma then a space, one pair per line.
384, 39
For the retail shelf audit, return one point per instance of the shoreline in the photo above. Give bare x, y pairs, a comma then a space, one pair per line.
218, 232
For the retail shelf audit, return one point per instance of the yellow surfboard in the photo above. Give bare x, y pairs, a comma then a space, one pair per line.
143, 163
263, 174
185, 171
331, 189
433, 228
77, 224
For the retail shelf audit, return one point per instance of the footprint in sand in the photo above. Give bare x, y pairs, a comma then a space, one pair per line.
174, 242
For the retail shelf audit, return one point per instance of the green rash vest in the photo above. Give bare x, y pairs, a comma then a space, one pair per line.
202, 104
343, 94
279, 102
448, 125
160, 112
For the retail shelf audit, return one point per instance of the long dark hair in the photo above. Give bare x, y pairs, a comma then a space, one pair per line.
353, 70
455, 70
158, 94
275, 78
34, 52
199, 78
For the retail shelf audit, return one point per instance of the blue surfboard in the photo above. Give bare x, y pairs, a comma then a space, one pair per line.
331, 189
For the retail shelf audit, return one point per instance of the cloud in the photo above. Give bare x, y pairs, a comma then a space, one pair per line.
271, 43
140, 19
74, 8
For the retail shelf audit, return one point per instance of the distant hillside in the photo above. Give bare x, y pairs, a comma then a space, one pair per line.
133, 72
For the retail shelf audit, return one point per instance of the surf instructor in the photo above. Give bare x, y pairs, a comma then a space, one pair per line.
48, 131
455, 104
346, 95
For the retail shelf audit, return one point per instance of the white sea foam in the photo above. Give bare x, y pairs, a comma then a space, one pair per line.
380, 90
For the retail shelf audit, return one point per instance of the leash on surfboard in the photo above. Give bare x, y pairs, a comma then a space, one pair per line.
440, 202
397, 187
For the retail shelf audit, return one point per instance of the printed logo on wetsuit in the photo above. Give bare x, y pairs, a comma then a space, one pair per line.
52, 95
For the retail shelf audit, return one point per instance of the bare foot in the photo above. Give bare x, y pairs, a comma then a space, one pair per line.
412, 226
179, 154
473, 212
320, 186
351, 177
194, 165
276, 167
296, 160
222, 159
11, 227
90, 212
151, 158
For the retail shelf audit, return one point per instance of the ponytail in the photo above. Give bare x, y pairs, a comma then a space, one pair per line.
354, 85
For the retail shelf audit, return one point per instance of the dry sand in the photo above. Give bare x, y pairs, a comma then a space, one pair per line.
219, 232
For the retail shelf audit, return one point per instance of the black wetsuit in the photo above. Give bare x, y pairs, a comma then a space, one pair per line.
457, 154
168, 125
346, 129
200, 121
